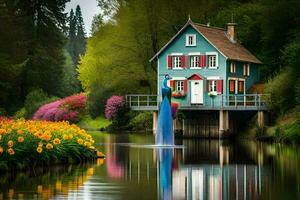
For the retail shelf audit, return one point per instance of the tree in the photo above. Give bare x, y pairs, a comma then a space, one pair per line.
76, 36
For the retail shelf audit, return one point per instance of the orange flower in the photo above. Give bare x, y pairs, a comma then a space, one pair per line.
49, 146
2, 131
56, 141
1, 150
10, 151
10, 143
39, 149
20, 131
80, 141
20, 139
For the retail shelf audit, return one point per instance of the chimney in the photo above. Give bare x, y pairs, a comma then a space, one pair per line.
231, 31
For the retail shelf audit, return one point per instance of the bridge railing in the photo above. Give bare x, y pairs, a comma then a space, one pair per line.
142, 102
229, 102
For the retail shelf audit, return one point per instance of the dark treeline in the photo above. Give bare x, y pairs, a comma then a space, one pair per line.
129, 32
33, 55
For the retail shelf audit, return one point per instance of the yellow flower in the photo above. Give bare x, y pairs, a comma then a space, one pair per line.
20, 131
49, 146
65, 137
2, 131
10, 143
70, 136
1, 150
56, 141
80, 141
20, 139
10, 151
39, 149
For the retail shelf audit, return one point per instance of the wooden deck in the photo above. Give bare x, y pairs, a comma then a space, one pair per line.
246, 102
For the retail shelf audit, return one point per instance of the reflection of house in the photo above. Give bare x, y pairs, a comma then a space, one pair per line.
215, 182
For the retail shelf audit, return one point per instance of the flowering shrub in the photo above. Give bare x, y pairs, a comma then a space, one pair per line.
174, 108
113, 105
66, 109
178, 94
30, 142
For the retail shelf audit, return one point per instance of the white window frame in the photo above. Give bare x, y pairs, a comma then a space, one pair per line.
179, 85
187, 40
209, 54
233, 67
212, 85
194, 61
246, 70
237, 84
177, 62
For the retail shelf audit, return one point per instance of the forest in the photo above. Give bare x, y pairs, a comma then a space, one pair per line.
39, 48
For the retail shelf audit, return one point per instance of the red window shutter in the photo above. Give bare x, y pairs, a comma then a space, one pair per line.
202, 61
183, 61
220, 86
199, 63
207, 85
170, 62
185, 86
172, 84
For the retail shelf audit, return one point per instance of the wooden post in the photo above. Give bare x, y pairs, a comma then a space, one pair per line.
155, 118
223, 122
261, 118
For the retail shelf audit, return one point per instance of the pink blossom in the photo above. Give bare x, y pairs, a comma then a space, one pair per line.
113, 105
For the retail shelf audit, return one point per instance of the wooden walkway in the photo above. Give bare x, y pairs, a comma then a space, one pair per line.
248, 102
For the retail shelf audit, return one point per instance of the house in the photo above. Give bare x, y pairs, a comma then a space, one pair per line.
208, 66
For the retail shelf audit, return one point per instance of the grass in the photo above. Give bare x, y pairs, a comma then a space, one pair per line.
93, 124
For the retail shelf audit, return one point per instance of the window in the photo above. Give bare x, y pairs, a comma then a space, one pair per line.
177, 62
232, 86
241, 87
212, 85
190, 40
246, 71
194, 61
179, 85
233, 67
212, 61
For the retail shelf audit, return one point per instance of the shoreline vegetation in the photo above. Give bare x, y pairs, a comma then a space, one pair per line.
27, 143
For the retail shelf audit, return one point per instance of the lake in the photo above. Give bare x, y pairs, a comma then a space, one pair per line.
202, 169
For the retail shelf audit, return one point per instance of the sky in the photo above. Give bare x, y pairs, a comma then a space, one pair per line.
89, 8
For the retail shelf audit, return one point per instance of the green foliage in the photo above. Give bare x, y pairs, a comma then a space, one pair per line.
34, 100
280, 89
76, 35
142, 121
22, 113
121, 120
96, 100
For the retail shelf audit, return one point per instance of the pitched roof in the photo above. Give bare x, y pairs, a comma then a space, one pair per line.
219, 39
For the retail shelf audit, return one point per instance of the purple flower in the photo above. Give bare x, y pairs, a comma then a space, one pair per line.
113, 105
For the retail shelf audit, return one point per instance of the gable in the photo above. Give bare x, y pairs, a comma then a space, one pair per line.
217, 38
178, 45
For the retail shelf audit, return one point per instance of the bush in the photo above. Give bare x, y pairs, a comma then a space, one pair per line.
96, 100
117, 111
67, 109
142, 121
22, 113
2, 112
281, 89
40, 142
34, 100
113, 105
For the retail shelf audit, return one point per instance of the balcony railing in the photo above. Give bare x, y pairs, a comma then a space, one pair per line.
226, 102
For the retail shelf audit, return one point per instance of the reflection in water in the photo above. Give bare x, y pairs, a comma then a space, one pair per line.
205, 169
165, 173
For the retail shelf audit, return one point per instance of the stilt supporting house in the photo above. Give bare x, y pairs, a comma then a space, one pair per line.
223, 123
261, 118
155, 119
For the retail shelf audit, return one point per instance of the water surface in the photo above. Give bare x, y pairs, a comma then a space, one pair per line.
204, 169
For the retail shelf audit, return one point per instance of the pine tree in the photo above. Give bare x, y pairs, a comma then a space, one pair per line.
76, 36
80, 36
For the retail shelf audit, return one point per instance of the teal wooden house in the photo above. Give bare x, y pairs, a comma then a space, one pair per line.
209, 67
